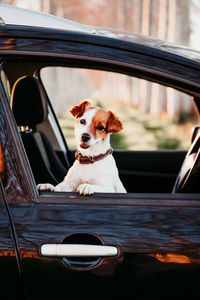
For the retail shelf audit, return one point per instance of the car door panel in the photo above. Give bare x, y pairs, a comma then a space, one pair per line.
149, 171
145, 231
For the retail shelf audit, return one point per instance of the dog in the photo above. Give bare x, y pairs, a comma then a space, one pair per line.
94, 170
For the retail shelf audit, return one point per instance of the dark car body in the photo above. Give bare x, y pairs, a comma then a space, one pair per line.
156, 233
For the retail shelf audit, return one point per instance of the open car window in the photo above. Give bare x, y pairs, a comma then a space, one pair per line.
156, 120
154, 117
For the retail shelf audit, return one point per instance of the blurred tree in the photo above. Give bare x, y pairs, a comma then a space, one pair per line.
171, 20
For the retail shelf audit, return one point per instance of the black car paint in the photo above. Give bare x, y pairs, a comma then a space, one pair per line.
10, 271
147, 228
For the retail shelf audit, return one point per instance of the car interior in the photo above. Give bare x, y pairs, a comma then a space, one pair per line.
38, 148
50, 157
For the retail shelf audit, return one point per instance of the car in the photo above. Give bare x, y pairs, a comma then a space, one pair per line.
141, 244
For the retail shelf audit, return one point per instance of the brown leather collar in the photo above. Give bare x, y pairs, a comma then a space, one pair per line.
91, 159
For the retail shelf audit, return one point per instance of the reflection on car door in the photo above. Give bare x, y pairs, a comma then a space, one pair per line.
9, 263
146, 233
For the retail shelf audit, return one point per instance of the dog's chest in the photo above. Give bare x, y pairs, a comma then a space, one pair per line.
94, 172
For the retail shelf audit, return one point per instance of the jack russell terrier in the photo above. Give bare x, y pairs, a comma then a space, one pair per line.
94, 170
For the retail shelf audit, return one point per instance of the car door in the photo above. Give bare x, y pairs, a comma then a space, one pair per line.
153, 239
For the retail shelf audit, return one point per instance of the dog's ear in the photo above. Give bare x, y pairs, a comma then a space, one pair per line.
114, 124
78, 110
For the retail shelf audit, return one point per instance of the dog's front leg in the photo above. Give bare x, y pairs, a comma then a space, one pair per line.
63, 187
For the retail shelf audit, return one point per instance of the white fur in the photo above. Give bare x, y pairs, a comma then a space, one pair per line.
99, 177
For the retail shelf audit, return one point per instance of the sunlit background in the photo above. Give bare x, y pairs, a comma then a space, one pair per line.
162, 116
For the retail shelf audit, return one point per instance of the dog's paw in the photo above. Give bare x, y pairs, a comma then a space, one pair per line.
45, 187
85, 189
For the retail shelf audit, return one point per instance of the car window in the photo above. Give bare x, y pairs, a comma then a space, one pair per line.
156, 120
154, 117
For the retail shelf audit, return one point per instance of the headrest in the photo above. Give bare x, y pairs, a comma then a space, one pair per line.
27, 105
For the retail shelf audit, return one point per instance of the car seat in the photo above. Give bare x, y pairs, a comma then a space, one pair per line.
30, 109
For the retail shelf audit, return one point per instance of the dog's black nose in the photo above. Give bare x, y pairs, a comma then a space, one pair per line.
85, 137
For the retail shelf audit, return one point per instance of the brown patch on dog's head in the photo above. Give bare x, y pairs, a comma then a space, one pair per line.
98, 126
103, 123
78, 110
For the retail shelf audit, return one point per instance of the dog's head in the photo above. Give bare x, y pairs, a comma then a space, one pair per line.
93, 124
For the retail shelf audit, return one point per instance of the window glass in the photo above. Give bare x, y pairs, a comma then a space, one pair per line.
6, 84
2, 164
154, 117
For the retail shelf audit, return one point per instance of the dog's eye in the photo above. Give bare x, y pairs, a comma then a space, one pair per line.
83, 121
100, 127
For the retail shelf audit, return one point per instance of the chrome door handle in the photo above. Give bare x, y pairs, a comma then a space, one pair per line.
78, 250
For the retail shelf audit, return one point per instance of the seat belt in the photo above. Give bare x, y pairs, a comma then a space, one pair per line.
40, 144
